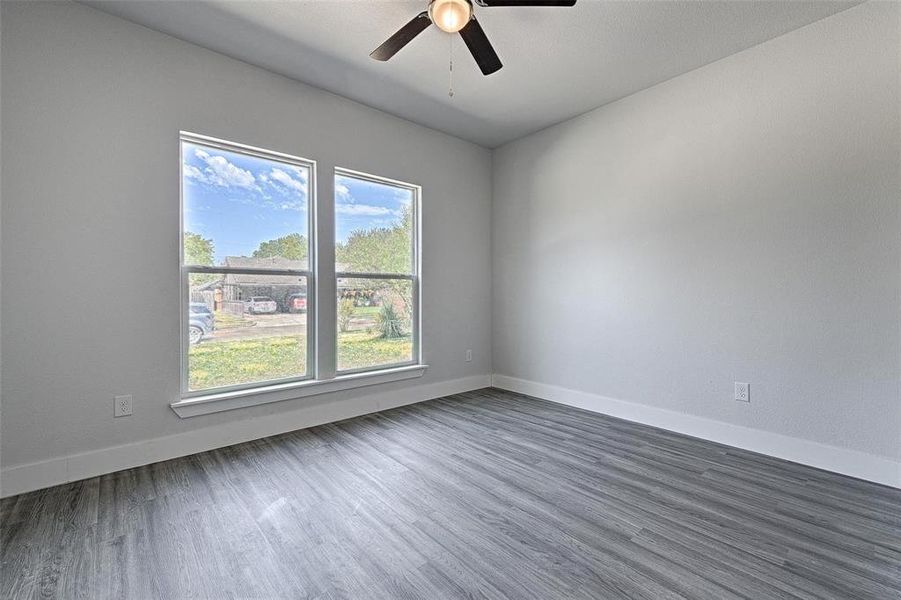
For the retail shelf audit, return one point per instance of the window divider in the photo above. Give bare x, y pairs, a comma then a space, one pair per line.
353, 275
327, 288
247, 271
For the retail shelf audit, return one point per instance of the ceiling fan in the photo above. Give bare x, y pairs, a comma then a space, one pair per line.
455, 16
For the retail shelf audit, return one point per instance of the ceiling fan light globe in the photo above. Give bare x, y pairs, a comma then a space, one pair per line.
450, 15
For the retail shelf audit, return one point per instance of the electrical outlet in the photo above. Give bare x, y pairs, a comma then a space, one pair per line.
469, 356
122, 406
742, 392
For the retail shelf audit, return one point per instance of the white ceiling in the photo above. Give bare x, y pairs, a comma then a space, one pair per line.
558, 62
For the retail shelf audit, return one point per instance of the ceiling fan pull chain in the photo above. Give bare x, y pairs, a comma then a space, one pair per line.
450, 85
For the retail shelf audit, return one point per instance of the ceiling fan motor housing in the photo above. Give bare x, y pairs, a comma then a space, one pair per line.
450, 15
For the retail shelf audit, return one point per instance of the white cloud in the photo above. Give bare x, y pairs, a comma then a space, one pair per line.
297, 185
363, 210
220, 172
405, 196
192, 172
223, 173
297, 205
289, 180
347, 205
300, 172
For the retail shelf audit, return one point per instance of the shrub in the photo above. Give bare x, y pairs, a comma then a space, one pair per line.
345, 312
388, 323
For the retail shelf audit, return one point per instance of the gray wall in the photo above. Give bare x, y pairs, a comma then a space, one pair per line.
92, 106
740, 222
737, 223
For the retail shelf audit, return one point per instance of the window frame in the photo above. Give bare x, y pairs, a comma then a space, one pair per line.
186, 270
414, 277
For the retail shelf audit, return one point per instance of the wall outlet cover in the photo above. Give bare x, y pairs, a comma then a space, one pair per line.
742, 392
122, 406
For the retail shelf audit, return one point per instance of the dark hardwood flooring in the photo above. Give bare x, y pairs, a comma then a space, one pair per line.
487, 494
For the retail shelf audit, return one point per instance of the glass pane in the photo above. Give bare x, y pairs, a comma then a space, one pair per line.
245, 329
243, 211
375, 322
373, 227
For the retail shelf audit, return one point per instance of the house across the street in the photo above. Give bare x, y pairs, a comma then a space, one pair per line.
230, 291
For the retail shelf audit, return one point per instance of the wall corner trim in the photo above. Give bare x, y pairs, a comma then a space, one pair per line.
869, 467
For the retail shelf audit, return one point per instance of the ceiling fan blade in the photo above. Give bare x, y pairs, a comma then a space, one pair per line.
403, 37
480, 47
487, 3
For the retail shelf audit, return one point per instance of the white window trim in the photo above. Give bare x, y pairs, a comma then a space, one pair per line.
185, 271
266, 393
414, 277
314, 382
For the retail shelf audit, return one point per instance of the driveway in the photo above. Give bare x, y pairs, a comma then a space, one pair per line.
263, 326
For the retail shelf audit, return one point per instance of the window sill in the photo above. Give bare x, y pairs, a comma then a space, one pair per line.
212, 403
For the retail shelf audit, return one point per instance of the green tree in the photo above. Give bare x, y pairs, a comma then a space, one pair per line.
198, 250
292, 247
381, 249
388, 323
345, 314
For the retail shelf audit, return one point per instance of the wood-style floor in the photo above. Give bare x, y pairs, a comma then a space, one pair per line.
481, 495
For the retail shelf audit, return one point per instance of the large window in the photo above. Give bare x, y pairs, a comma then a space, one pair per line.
247, 281
249, 274
376, 272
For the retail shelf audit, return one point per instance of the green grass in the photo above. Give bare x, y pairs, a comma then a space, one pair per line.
226, 320
366, 311
218, 364
358, 349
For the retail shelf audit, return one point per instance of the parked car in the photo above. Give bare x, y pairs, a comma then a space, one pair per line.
261, 305
201, 322
296, 303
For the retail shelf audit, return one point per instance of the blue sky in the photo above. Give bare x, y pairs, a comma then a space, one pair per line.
361, 204
239, 201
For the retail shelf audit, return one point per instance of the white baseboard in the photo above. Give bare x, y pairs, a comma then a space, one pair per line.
33, 476
870, 467
24, 478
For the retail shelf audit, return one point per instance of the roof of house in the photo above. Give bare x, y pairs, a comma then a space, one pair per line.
265, 279
274, 262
